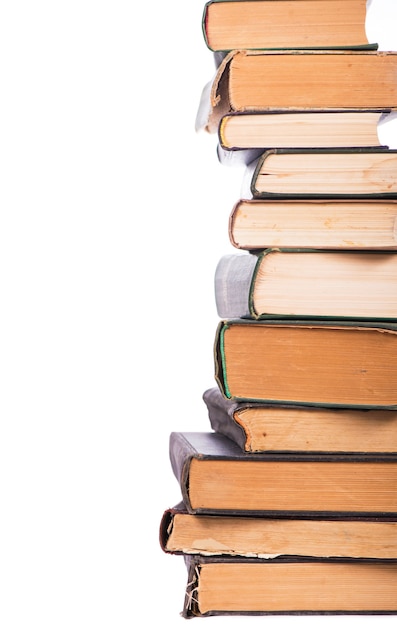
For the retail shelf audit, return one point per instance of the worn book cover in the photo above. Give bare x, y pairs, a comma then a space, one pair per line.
298, 80
217, 477
182, 533
259, 427
294, 586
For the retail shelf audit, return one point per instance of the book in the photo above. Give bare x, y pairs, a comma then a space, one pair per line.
339, 223
298, 586
298, 80
250, 133
216, 477
267, 537
353, 173
315, 362
256, 24
307, 283
257, 427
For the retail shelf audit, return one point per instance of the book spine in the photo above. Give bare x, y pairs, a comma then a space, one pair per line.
233, 277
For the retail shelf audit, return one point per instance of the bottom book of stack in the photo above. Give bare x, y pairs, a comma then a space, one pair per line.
282, 533
289, 585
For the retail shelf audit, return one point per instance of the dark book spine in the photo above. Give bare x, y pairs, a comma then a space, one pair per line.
221, 416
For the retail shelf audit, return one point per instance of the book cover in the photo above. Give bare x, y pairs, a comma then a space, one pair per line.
258, 427
299, 586
339, 363
307, 283
343, 224
353, 173
242, 137
298, 80
260, 24
182, 533
217, 477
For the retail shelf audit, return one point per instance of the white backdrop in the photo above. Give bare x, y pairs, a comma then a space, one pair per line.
113, 216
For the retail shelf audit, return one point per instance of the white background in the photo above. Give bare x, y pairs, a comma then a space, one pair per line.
113, 216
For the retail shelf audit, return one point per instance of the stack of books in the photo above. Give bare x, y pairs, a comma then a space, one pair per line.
289, 497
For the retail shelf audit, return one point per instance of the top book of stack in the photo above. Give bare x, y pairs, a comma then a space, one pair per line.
271, 24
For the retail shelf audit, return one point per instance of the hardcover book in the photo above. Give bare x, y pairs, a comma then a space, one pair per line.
255, 24
335, 223
337, 364
299, 586
216, 477
265, 537
359, 173
257, 427
298, 80
282, 282
246, 132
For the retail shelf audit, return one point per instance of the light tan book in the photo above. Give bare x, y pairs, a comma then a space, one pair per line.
293, 173
347, 224
340, 129
305, 283
268, 537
